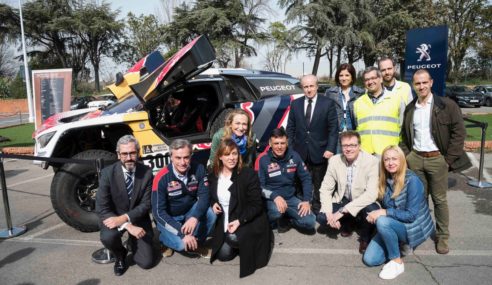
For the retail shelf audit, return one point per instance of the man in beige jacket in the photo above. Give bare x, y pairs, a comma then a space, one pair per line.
350, 189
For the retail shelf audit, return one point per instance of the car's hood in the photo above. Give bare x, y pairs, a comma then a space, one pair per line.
192, 59
144, 66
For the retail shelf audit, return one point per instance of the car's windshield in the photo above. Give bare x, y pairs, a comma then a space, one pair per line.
461, 89
130, 103
489, 89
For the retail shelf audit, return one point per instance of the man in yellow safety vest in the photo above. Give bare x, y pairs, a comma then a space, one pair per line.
377, 114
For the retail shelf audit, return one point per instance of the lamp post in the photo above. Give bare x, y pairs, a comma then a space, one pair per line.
26, 68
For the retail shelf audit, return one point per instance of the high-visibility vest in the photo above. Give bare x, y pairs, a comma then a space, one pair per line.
403, 90
378, 124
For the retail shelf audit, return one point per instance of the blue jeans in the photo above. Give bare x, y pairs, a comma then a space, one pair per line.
202, 229
307, 222
386, 243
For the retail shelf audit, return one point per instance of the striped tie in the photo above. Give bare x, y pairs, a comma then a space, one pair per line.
129, 183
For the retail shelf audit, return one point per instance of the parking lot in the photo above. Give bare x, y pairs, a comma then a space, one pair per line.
51, 252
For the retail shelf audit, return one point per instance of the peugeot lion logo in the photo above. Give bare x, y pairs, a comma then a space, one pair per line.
424, 51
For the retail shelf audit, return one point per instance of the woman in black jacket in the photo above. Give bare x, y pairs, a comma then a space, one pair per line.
242, 226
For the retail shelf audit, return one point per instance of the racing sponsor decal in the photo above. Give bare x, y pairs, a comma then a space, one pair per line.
273, 174
155, 148
273, 167
193, 184
174, 188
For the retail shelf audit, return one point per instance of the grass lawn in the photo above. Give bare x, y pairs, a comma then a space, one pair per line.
474, 134
19, 135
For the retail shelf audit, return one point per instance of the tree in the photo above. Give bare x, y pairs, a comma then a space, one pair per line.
98, 30
393, 19
232, 26
313, 23
279, 52
142, 35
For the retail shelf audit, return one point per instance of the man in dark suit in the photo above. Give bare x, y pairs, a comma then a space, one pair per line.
123, 204
313, 132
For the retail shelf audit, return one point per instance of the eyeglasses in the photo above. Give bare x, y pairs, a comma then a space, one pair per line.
371, 78
349, 145
126, 154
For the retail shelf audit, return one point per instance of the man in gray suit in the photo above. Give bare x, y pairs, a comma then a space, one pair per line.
123, 204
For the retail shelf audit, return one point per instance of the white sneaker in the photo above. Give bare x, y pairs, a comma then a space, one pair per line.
391, 270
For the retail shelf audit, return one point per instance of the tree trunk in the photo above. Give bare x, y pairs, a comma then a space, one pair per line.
96, 76
339, 55
317, 58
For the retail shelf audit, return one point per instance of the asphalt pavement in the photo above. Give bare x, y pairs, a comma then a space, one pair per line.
51, 252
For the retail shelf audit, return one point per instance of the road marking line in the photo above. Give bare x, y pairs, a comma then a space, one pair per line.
30, 180
42, 232
323, 251
329, 251
58, 241
476, 163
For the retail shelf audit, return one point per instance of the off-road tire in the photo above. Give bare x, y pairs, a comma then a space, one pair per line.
74, 188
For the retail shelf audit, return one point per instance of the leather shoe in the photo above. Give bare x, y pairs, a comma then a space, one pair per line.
442, 246
120, 267
346, 233
363, 246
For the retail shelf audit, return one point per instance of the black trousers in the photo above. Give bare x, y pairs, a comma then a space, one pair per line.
347, 222
143, 249
317, 172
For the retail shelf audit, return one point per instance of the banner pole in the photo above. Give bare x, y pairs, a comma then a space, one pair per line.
10, 231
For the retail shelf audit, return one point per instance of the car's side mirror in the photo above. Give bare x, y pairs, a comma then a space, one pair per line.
119, 78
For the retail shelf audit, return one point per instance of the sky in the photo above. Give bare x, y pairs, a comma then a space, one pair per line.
298, 65
294, 67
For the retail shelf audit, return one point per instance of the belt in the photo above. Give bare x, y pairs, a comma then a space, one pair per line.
428, 153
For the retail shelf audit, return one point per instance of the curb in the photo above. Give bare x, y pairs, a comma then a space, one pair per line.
475, 145
19, 150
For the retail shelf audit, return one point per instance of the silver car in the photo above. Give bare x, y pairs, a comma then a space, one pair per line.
486, 90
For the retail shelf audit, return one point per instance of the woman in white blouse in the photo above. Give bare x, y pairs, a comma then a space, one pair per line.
242, 226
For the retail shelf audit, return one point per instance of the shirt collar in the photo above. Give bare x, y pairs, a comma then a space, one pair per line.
428, 102
314, 98
179, 175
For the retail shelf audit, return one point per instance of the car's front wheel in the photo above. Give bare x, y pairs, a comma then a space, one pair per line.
488, 102
73, 191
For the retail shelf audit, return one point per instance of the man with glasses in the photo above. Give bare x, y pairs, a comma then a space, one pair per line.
350, 189
180, 203
377, 114
123, 204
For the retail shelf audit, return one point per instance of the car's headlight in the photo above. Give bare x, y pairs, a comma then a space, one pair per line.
45, 139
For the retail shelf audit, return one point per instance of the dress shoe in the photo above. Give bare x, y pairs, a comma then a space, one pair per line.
120, 267
283, 225
363, 246
203, 251
166, 251
442, 246
346, 233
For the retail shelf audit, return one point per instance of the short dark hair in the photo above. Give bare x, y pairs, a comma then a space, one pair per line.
371, 69
278, 133
349, 134
385, 58
420, 71
350, 68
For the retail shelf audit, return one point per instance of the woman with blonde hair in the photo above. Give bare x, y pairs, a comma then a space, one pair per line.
242, 226
404, 217
238, 128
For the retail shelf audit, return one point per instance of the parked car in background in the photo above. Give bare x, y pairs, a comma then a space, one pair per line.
102, 101
486, 91
464, 96
322, 87
80, 102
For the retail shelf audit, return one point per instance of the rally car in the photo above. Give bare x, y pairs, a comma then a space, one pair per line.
149, 98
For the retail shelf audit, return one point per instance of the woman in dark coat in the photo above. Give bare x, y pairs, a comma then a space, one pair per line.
242, 226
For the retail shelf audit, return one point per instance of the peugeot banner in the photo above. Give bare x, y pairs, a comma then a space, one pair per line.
428, 48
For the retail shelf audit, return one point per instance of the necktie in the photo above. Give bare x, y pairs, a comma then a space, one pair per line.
308, 112
129, 183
